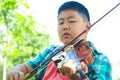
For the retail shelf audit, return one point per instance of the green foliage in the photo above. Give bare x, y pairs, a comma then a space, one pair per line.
20, 40
1, 67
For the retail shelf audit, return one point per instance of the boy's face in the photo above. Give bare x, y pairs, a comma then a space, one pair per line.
70, 25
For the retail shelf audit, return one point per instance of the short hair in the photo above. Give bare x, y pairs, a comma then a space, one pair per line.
73, 5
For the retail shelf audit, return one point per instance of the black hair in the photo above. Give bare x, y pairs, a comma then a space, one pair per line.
73, 5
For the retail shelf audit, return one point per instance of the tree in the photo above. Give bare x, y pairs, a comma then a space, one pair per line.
20, 40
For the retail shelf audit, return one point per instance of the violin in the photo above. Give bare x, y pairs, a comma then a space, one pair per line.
79, 52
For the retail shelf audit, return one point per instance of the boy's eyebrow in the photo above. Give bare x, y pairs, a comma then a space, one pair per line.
70, 17
60, 19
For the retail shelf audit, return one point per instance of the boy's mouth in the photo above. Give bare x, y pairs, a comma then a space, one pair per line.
66, 34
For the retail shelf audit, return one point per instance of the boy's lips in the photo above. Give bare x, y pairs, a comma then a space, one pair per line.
66, 34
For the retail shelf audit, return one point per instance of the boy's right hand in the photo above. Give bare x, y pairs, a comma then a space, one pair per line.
15, 75
19, 72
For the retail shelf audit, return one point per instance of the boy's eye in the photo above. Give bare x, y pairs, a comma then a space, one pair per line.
60, 23
72, 21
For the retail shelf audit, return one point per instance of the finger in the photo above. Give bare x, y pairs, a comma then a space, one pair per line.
11, 78
84, 67
69, 63
16, 76
86, 61
7, 77
21, 76
74, 67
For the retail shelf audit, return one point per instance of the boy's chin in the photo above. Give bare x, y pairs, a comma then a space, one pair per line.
67, 41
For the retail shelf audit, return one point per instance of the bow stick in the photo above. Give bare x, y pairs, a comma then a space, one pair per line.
33, 72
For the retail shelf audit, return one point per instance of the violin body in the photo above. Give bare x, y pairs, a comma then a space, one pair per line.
84, 52
80, 50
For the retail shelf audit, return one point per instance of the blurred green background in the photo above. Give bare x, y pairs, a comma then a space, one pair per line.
20, 38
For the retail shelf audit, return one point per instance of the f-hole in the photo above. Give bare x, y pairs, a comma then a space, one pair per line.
78, 49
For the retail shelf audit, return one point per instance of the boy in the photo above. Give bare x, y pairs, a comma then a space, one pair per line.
73, 18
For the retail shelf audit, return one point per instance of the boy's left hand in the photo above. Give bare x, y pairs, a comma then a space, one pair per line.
71, 64
69, 68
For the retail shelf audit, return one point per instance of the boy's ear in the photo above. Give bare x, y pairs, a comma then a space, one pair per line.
88, 25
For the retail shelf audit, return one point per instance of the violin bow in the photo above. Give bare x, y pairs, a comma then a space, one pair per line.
33, 72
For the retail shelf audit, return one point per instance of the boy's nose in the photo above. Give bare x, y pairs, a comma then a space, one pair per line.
66, 26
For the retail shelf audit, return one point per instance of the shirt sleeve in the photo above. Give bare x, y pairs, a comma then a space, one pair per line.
41, 57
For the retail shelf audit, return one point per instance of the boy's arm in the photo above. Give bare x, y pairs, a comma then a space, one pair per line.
19, 72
